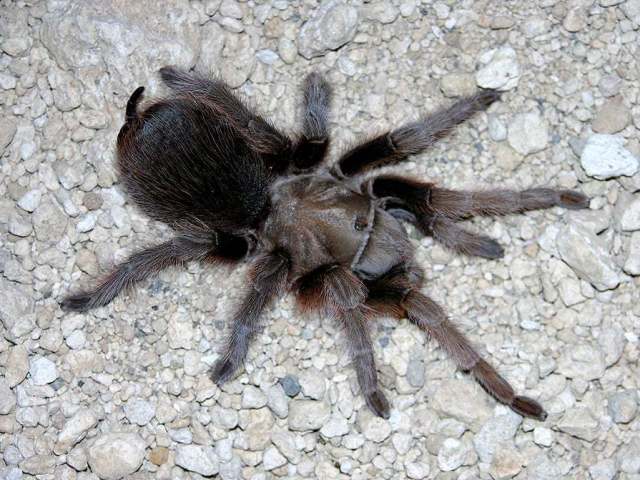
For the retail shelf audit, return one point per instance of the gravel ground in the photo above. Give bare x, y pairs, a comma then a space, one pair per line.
124, 388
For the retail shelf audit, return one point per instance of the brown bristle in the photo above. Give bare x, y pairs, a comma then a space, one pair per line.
308, 300
378, 403
380, 308
573, 200
527, 407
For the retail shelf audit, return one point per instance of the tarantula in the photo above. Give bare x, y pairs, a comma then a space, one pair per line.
233, 187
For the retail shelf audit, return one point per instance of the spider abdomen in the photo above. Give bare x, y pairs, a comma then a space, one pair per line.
186, 165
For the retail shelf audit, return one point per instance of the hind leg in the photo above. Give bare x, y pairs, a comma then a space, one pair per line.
267, 279
413, 138
312, 146
274, 147
143, 264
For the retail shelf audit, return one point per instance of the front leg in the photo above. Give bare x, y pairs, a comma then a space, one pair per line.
412, 201
143, 264
436, 210
268, 277
339, 293
412, 138
427, 198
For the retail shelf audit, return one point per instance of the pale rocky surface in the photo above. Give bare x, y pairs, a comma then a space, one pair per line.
604, 156
116, 455
586, 254
122, 392
499, 69
196, 458
528, 133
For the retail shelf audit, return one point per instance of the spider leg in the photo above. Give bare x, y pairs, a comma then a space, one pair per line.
435, 210
312, 146
143, 264
453, 236
357, 331
386, 293
340, 294
271, 144
396, 294
131, 112
268, 277
216, 91
429, 316
410, 200
461, 204
412, 138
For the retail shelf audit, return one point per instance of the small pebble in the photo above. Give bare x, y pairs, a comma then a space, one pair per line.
291, 385
42, 371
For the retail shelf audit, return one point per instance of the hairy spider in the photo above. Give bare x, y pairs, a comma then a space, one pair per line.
235, 188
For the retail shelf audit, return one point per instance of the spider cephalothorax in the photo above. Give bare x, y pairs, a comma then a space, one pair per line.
235, 188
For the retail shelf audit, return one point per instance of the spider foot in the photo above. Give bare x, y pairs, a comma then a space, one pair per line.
572, 200
527, 407
222, 371
487, 248
80, 302
378, 403
487, 97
